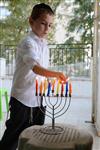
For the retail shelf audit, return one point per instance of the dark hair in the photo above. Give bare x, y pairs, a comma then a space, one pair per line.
40, 9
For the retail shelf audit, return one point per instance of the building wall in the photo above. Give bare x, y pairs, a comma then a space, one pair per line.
96, 68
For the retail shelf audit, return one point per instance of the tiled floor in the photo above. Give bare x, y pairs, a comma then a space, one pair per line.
78, 114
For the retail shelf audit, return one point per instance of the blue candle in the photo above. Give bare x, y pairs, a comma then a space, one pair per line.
49, 88
66, 93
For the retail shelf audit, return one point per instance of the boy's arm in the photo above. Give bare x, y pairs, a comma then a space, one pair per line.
48, 73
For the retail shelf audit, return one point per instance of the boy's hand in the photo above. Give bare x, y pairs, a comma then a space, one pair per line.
61, 77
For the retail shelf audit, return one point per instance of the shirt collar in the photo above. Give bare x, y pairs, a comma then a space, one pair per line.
41, 40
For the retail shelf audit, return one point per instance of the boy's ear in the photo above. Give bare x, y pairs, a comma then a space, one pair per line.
30, 20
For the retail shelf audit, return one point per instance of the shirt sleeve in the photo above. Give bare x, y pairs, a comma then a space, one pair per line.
30, 55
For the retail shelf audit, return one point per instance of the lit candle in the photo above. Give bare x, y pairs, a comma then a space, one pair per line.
36, 81
70, 89
62, 88
66, 88
49, 88
58, 87
53, 85
45, 87
41, 88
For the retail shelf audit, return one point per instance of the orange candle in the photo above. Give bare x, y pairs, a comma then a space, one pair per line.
70, 89
36, 87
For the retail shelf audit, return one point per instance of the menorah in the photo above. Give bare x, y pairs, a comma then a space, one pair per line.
57, 97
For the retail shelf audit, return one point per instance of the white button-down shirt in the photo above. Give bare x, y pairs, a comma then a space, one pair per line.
31, 51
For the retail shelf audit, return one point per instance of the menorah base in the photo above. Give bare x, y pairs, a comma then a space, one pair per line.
51, 130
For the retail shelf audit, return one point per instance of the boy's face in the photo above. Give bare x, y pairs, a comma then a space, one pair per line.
41, 25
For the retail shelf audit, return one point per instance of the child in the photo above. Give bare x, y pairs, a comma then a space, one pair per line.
32, 60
